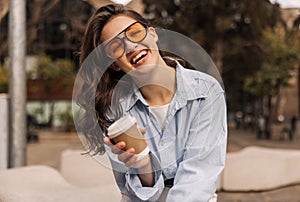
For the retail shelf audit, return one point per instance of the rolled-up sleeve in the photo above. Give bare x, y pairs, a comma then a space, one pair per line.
205, 152
136, 188
130, 184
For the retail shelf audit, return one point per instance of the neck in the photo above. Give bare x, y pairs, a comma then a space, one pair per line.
156, 95
158, 88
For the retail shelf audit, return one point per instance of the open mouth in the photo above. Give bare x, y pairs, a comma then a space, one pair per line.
137, 58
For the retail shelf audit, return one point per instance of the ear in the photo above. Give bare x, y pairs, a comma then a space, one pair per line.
153, 33
115, 67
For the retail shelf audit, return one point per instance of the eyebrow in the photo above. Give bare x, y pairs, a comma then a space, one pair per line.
127, 27
124, 30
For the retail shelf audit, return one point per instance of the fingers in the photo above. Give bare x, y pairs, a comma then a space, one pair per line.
133, 162
118, 148
107, 141
128, 157
115, 148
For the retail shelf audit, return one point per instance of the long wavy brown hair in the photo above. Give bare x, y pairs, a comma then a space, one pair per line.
98, 81
97, 94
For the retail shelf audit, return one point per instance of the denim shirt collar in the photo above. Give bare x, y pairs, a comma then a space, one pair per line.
188, 87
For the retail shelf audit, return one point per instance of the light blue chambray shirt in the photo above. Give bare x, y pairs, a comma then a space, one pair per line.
191, 148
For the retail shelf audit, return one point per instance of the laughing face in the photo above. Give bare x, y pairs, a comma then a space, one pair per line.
131, 44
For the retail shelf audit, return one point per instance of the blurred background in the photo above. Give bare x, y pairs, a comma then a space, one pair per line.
255, 45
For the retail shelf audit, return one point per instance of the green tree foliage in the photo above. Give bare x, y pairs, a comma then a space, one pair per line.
207, 21
229, 30
281, 54
48, 68
3, 80
50, 80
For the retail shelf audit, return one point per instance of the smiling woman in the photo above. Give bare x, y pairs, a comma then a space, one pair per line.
180, 112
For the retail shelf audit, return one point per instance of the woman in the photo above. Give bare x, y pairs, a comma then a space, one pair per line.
181, 112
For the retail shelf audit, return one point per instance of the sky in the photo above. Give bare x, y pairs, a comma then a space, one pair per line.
288, 3
283, 3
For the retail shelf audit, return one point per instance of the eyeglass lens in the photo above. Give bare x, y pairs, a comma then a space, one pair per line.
134, 33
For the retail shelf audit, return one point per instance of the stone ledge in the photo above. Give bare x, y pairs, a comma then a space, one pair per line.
42, 183
84, 171
82, 178
257, 169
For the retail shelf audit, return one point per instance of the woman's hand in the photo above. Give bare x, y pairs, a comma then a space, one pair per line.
128, 157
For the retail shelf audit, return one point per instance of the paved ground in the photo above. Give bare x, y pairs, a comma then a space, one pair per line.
48, 149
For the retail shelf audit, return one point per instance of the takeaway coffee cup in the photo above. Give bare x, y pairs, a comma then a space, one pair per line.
125, 129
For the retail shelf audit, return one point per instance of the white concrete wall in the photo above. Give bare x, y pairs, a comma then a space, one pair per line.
45, 184
257, 168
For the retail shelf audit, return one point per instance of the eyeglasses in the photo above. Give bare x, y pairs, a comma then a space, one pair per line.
135, 33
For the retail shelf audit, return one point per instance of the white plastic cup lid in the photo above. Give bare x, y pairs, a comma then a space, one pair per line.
120, 126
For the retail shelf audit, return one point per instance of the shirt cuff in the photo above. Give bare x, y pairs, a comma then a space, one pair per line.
134, 185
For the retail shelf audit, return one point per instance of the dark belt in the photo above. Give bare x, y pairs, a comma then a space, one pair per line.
169, 182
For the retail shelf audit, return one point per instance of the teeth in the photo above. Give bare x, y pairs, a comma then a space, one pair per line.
139, 56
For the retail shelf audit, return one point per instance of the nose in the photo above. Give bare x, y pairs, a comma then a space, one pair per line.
130, 46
